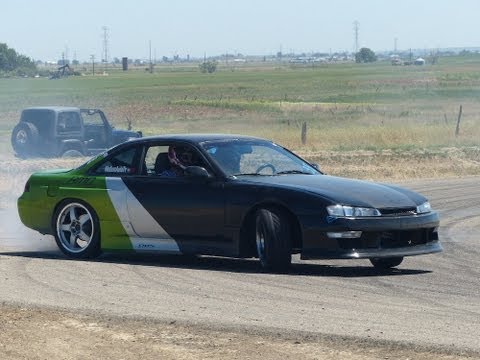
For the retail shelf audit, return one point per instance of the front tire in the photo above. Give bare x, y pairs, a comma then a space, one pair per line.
77, 230
273, 239
386, 263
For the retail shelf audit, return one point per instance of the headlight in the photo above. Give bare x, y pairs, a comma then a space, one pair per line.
351, 211
424, 208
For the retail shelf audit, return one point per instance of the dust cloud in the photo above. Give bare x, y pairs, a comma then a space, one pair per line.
14, 236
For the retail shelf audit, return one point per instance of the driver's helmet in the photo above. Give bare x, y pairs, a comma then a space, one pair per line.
180, 156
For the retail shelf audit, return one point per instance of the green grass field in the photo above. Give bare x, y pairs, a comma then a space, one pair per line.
348, 108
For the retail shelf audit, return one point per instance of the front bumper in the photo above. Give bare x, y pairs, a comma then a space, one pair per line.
430, 248
380, 237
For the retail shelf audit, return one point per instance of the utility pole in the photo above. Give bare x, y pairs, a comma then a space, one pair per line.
92, 57
150, 56
356, 25
395, 45
105, 47
66, 59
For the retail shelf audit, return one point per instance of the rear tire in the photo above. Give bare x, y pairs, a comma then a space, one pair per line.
77, 229
25, 139
386, 263
273, 239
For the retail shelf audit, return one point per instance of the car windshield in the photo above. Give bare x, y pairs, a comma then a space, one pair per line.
254, 157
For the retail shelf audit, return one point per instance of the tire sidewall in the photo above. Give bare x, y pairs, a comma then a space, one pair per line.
276, 231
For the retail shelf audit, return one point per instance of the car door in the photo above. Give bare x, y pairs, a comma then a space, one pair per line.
97, 136
189, 210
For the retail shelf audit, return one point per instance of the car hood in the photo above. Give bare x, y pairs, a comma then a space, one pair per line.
53, 171
344, 191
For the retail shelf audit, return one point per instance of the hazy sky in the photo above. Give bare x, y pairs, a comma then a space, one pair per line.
44, 29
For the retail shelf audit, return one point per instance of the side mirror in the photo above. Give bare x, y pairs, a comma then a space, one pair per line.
196, 172
316, 167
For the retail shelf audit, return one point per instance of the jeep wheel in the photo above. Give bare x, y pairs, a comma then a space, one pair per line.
71, 153
24, 139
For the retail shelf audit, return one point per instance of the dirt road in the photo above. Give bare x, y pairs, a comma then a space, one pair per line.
129, 307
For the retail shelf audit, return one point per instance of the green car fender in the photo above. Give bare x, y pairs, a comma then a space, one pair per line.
37, 206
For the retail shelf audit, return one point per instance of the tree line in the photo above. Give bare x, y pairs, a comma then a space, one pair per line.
13, 63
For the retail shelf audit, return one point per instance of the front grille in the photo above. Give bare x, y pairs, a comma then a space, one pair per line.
398, 211
390, 239
396, 239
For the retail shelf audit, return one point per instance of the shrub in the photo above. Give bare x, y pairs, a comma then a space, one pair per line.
208, 67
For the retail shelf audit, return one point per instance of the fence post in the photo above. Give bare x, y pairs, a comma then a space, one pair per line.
457, 130
304, 133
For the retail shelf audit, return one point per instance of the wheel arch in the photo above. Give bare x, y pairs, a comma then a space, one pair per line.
71, 144
247, 245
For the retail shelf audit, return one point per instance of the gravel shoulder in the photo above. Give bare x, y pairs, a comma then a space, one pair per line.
42, 333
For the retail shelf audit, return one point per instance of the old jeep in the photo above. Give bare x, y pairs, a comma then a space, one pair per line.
54, 131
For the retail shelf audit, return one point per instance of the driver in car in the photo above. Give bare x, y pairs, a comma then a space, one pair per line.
180, 159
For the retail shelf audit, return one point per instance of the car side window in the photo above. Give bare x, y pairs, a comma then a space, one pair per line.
122, 163
171, 160
92, 118
156, 159
68, 122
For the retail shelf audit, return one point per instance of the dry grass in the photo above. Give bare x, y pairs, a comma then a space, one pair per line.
373, 121
394, 166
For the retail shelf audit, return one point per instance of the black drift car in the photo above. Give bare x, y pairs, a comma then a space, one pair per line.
225, 195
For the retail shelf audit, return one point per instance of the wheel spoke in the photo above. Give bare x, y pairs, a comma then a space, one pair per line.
73, 241
83, 219
83, 236
72, 214
65, 227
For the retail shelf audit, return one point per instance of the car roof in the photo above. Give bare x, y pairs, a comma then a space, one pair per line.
53, 108
196, 138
